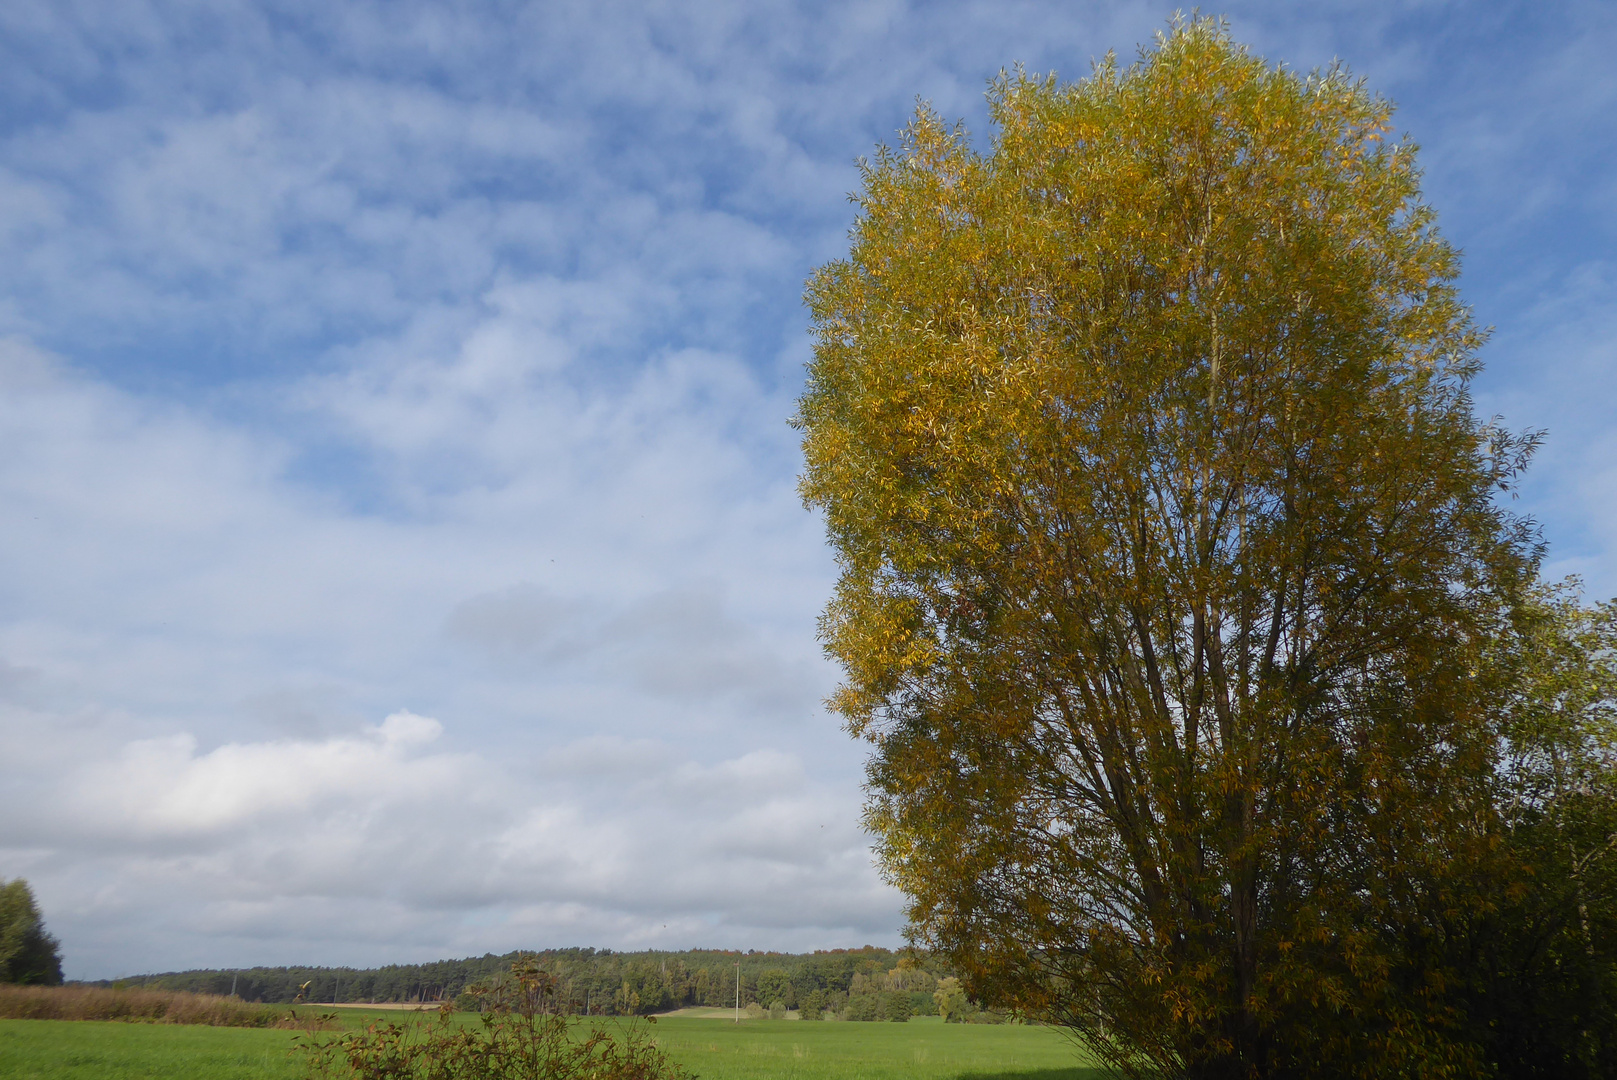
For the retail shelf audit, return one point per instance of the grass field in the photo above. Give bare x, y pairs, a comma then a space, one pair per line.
924, 1049
714, 1049
113, 1050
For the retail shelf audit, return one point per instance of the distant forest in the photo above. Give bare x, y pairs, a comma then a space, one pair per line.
857, 984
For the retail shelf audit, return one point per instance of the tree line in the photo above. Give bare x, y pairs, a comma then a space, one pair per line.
853, 984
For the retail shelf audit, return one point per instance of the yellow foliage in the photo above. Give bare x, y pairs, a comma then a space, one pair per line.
1166, 541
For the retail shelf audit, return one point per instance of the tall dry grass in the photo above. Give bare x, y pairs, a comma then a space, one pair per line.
145, 1006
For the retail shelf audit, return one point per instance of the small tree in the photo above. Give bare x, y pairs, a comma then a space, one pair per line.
774, 984
27, 953
951, 1000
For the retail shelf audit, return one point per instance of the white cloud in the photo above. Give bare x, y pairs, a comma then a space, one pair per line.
606, 839
186, 744
164, 788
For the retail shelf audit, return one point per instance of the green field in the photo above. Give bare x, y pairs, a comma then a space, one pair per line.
109, 1050
923, 1049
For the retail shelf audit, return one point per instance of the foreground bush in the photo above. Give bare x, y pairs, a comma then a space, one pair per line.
515, 1039
147, 1006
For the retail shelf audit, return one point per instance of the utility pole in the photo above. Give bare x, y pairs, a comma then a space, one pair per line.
233, 976
738, 991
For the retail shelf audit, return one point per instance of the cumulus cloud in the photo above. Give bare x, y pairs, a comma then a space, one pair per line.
600, 839
164, 787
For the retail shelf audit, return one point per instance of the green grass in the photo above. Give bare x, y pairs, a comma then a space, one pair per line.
923, 1049
112, 1050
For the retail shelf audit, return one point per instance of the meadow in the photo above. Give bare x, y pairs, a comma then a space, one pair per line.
712, 1048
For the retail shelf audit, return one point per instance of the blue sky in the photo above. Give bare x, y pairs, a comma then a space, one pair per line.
403, 558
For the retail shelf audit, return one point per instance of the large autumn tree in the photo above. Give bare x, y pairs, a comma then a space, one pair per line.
1170, 558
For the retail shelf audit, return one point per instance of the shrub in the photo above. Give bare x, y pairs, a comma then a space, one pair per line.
514, 1040
862, 1007
986, 1016
896, 1007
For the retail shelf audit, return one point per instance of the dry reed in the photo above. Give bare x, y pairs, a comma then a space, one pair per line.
141, 1006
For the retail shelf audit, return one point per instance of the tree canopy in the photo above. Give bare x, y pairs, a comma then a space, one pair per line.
1171, 563
27, 953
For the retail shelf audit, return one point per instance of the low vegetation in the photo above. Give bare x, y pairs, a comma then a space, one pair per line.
144, 1006
96, 1050
519, 1035
712, 1048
